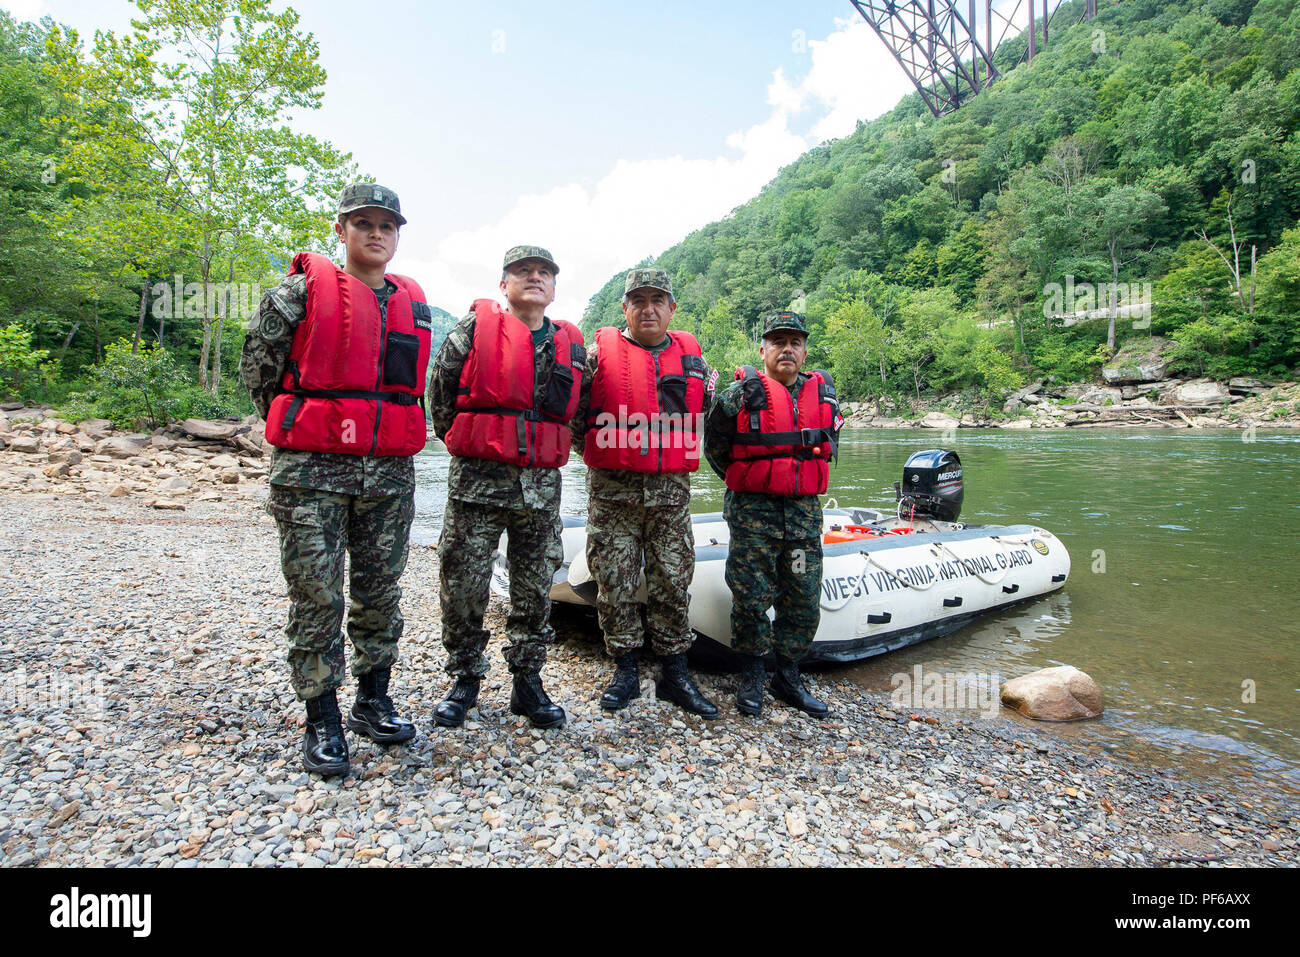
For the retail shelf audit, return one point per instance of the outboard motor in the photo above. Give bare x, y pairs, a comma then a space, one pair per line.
932, 485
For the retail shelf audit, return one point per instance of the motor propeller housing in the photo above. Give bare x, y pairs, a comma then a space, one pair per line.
932, 485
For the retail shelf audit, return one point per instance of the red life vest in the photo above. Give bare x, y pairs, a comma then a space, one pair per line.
496, 415
355, 379
776, 453
645, 407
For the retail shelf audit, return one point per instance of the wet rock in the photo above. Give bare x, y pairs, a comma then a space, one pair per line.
1063, 693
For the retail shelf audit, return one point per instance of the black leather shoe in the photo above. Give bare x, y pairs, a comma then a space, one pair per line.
529, 699
787, 684
749, 690
625, 685
374, 714
450, 712
324, 749
677, 686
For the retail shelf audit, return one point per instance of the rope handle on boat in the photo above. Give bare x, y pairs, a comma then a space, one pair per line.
901, 581
962, 561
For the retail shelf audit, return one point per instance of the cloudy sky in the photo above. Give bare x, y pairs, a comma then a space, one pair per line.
603, 131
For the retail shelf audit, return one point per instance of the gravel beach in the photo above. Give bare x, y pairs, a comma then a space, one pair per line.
148, 721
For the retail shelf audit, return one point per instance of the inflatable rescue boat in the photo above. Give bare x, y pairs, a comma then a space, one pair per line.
889, 579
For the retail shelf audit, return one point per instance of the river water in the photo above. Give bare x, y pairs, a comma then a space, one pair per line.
1183, 601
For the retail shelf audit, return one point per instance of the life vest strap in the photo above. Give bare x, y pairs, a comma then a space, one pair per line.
397, 398
804, 437
800, 454
301, 395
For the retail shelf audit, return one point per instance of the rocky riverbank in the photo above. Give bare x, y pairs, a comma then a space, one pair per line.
193, 460
1178, 404
147, 720
1135, 390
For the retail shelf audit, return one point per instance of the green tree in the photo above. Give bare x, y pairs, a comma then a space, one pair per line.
201, 94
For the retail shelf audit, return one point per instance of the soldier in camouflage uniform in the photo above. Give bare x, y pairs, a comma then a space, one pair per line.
485, 497
634, 512
775, 556
325, 503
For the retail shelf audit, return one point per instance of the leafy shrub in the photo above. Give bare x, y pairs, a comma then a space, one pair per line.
21, 366
144, 390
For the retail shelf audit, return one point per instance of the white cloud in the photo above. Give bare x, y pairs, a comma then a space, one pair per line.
637, 209
853, 77
640, 208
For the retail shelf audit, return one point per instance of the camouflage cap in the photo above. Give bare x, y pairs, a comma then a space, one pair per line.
361, 195
648, 279
517, 254
791, 321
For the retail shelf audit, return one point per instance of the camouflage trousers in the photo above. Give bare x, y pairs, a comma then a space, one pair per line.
765, 572
470, 533
316, 528
618, 533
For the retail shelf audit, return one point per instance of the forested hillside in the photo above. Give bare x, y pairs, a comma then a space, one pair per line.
1150, 151
143, 210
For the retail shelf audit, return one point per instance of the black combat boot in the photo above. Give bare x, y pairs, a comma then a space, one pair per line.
677, 686
787, 684
529, 699
374, 714
450, 712
625, 685
324, 749
749, 690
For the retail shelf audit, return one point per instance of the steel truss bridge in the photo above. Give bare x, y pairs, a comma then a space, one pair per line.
938, 43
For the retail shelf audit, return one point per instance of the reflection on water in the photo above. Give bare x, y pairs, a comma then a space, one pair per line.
1182, 601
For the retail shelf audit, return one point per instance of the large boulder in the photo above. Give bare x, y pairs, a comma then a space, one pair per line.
939, 420
1101, 395
1201, 392
122, 446
95, 425
211, 431
27, 444
1054, 694
1246, 386
1139, 360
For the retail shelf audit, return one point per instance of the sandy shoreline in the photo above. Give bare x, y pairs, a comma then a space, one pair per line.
174, 618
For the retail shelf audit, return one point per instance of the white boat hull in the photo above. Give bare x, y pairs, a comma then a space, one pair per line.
878, 593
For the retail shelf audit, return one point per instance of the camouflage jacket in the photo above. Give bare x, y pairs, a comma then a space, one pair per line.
789, 517
482, 481
261, 366
646, 488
